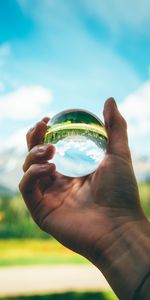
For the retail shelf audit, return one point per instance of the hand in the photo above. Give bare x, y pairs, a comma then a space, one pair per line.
82, 212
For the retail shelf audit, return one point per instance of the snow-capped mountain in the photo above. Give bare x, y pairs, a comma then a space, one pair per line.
11, 160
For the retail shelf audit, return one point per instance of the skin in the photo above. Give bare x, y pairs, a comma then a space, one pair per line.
90, 213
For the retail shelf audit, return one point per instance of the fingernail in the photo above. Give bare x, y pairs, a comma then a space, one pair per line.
110, 101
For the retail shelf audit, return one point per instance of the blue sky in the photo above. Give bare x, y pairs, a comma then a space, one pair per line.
59, 54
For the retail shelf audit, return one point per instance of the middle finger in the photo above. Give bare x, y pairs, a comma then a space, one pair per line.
38, 154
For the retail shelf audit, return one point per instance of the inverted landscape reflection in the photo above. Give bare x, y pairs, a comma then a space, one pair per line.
80, 140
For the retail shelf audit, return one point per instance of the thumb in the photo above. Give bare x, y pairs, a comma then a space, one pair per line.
116, 129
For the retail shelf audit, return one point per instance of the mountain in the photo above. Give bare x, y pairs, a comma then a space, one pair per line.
12, 158
11, 161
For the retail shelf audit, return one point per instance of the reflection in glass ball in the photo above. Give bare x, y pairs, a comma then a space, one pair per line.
80, 140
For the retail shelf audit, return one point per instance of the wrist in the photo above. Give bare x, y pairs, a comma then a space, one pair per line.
123, 256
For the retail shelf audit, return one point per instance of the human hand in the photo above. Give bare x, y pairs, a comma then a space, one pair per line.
82, 212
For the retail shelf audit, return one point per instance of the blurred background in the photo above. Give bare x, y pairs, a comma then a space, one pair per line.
55, 55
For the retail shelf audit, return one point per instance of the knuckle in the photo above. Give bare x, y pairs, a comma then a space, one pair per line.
32, 169
36, 169
39, 125
38, 149
41, 148
32, 152
34, 149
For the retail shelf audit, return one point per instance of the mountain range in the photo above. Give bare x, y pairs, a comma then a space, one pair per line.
11, 160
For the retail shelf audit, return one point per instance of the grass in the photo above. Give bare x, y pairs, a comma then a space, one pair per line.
36, 252
144, 190
69, 296
47, 252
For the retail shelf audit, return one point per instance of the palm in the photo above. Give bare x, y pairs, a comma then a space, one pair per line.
73, 208
64, 203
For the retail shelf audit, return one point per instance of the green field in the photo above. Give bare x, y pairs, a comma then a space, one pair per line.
23, 243
94, 132
36, 252
69, 296
45, 252
144, 189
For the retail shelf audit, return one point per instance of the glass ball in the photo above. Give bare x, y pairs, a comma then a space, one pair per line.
80, 140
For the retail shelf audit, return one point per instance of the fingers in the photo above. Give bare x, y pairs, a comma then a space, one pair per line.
38, 170
29, 185
36, 134
116, 129
38, 154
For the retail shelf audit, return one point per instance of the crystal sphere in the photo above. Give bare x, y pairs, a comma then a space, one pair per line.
80, 140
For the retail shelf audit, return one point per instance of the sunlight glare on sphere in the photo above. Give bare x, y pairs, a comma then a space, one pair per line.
80, 140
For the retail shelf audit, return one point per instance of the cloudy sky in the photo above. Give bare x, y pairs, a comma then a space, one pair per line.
59, 54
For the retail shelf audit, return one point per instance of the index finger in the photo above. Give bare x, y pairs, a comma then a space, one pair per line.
35, 135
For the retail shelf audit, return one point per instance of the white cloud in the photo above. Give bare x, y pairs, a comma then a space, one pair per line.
133, 14
26, 102
16, 141
141, 167
136, 110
